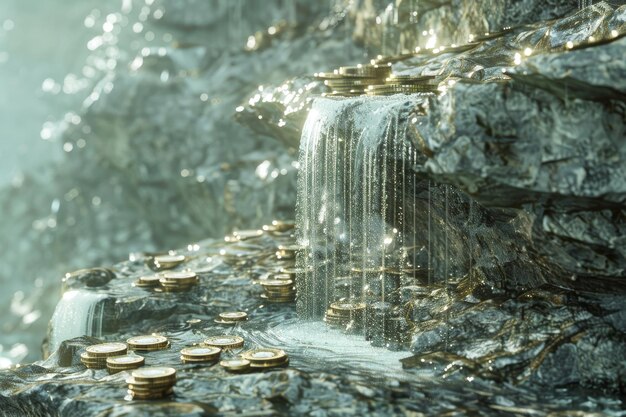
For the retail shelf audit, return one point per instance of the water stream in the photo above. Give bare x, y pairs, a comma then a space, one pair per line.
355, 190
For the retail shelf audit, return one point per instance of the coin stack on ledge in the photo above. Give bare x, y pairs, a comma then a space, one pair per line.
151, 383
163, 262
95, 356
198, 354
233, 317
265, 358
225, 342
345, 315
279, 228
278, 290
173, 281
354, 81
149, 281
404, 84
148, 343
117, 364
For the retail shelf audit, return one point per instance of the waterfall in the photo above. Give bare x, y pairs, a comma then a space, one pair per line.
355, 211
79, 313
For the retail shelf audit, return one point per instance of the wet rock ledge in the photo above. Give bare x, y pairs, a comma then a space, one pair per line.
474, 351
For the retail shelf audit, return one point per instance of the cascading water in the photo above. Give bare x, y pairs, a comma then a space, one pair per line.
356, 186
79, 313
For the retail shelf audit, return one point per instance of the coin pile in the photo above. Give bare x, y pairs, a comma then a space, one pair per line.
225, 342
278, 290
235, 365
117, 364
95, 356
197, 354
151, 281
344, 314
247, 234
279, 227
404, 84
266, 358
354, 81
233, 317
163, 262
151, 383
173, 281
287, 252
148, 343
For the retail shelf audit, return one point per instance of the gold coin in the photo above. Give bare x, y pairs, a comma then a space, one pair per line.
233, 316
276, 283
225, 342
147, 342
169, 261
104, 350
264, 355
125, 361
154, 374
235, 365
247, 234
284, 362
199, 352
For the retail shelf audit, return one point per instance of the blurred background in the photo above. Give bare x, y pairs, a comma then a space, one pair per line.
117, 133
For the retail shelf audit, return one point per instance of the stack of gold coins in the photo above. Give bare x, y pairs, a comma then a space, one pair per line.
287, 252
278, 290
225, 342
354, 81
150, 281
173, 281
266, 358
231, 317
405, 84
235, 365
200, 354
117, 364
247, 234
95, 356
163, 262
147, 343
151, 383
279, 227
344, 314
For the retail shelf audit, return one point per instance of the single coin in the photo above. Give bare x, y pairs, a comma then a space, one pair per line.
154, 374
125, 361
225, 342
264, 355
200, 351
235, 365
104, 350
233, 316
147, 341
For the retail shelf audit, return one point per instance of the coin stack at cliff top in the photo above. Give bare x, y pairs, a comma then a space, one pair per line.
150, 281
354, 81
404, 84
345, 314
278, 290
168, 261
225, 342
151, 383
266, 358
279, 227
148, 343
173, 281
200, 354
231, 317
117, 364
95, 356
